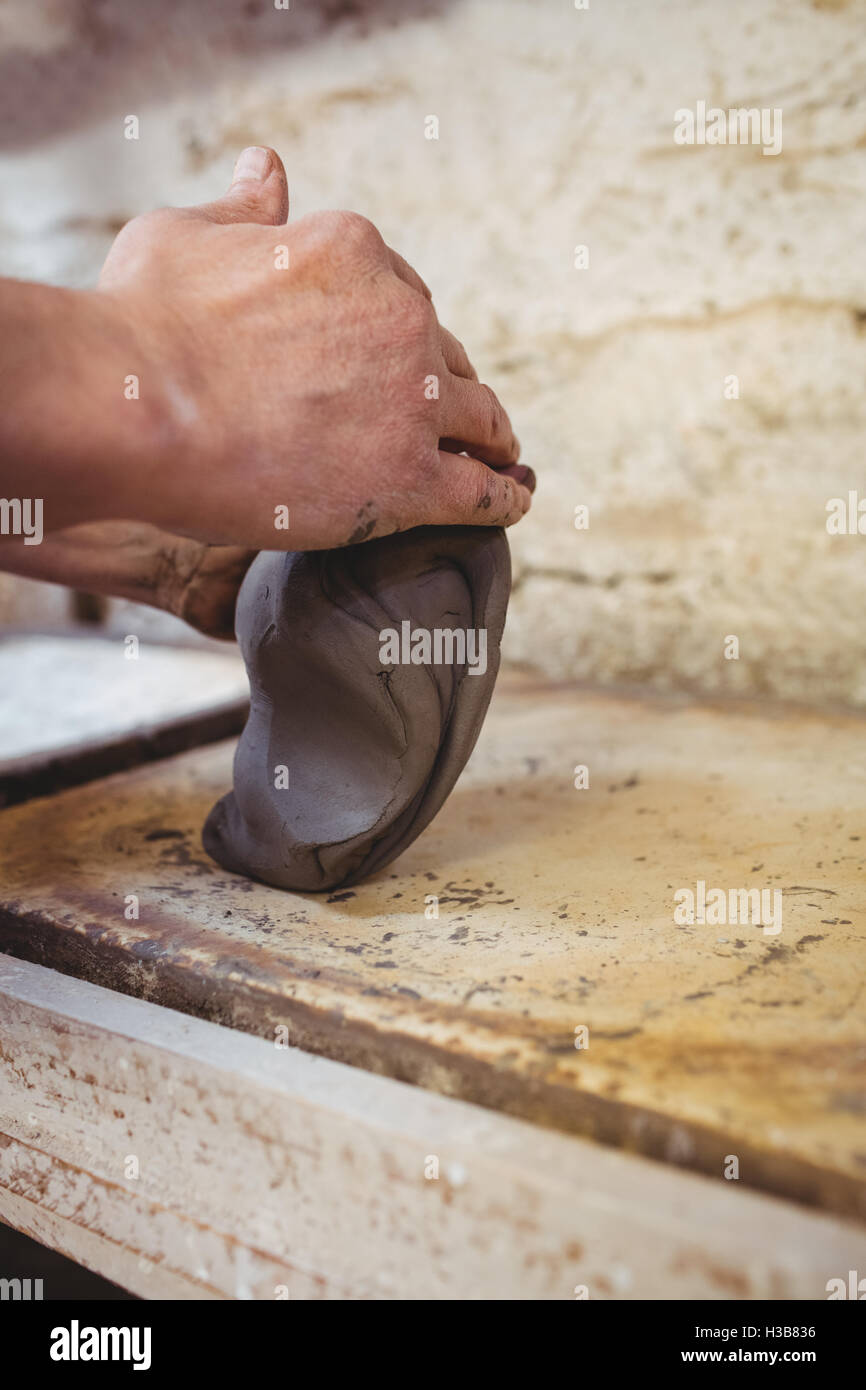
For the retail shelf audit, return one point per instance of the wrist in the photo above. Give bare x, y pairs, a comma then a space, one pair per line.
83, 422
137, 438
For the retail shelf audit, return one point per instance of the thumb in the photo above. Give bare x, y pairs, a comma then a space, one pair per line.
258, 193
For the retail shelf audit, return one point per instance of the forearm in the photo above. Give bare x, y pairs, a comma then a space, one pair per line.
121, 559
69, 434
118, 559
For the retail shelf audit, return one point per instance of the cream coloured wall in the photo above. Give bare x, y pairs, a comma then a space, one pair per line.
707, 515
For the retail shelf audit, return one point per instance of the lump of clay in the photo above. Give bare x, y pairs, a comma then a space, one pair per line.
371, 669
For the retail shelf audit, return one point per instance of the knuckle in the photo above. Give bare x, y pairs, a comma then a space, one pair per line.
146, 225
418, 459
421, 285
246, 202
414, 312
354, 230
511, 508
466, 361
337, 239
138, 242
404, 319
494, 412
419, 468
483, 496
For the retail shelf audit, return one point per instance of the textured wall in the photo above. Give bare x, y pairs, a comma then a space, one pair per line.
707, 515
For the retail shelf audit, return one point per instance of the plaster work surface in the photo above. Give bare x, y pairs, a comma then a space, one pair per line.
59, 694
556, 912
707, 514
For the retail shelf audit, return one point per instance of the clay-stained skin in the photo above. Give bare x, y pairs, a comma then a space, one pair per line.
372, 749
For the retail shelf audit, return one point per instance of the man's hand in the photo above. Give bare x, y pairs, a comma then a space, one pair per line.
232, 372
297, 366
121, 559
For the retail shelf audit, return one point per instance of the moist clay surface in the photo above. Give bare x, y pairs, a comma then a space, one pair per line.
370, 748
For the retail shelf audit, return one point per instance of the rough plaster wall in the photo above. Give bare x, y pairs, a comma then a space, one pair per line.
707, 516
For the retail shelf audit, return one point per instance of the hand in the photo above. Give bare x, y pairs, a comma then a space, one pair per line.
204, 583
328, 387
194, 581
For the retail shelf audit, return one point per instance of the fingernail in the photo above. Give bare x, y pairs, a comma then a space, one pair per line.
253, 163
526, 477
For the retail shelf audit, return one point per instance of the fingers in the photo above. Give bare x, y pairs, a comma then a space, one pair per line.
455, 356
259, 191
471, 413
453, 351
206, 584
464, 492
521, 473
